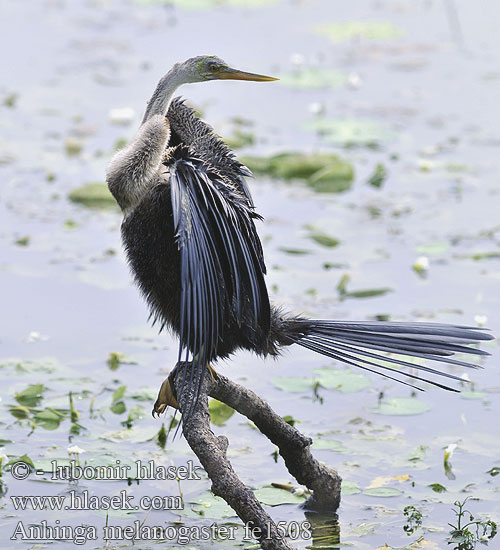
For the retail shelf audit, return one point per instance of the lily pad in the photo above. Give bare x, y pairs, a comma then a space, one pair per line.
473, 394
209, 506
342, 380
292, 384
219, 412
430, 249
350, 488
314, 78
351, 132
93, 195
383, 492
329, 445
359, 30
325, 173
273, 496
401, 406
332, 179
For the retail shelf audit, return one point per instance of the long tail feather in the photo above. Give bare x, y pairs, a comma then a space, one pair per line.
349, 343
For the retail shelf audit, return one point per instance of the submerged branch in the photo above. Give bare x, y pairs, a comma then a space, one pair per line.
293, 447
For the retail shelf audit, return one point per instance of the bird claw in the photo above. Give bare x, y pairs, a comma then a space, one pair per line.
166, 397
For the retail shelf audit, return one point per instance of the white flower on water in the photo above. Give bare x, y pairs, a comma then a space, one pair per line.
35, 336
481, 320
75, 450
421, 265
448, 452
297, 59
354, 80
316, 108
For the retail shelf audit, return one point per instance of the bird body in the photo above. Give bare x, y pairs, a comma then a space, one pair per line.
190, 237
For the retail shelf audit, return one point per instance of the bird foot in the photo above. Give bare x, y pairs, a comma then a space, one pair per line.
167, 396
213, 373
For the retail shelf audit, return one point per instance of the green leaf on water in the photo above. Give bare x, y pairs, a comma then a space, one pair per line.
432, 249
19, 366
93, 195
329, 445
342, 380
437, 487
364, 293
478, 256
115, 359
350, 488
359, 30
117, 404
17, 411
273, 496
473, 394
314, 78
25, 458
31, 396
367, 293
494, 471
383, 492
324, 173
119, 393
351, 132
417, 454
342, 284
209, 506
294, 251
23, 241
378, 177
293, 384
324, 240
401, 406
219, 412
49, 419
332, 179
118, 408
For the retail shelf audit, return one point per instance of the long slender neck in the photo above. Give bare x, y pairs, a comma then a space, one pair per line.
162, 96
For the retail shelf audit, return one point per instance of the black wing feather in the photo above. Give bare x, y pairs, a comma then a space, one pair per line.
222, 270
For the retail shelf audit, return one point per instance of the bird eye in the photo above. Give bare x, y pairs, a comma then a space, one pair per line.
213, 67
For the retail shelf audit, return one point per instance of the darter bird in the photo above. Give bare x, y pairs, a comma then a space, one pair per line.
189, 234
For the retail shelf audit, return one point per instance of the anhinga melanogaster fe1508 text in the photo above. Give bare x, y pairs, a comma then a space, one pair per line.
191, 242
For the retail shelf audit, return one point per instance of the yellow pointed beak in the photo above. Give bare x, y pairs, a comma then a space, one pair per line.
234, 74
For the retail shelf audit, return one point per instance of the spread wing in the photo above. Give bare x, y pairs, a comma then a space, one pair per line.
222, 268
189, 129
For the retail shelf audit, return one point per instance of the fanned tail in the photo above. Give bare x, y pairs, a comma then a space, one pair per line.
371, 345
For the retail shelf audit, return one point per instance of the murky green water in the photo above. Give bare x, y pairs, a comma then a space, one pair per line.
390, 83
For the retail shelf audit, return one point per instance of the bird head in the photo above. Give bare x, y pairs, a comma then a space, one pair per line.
210, 67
